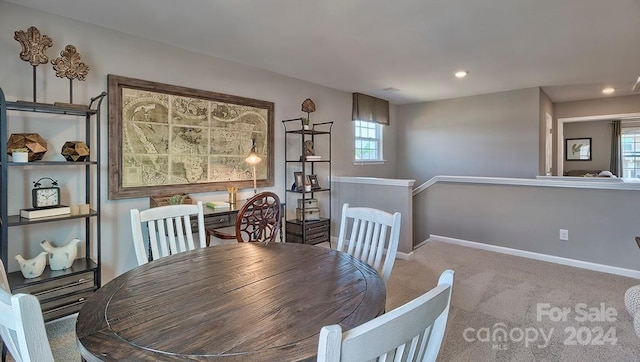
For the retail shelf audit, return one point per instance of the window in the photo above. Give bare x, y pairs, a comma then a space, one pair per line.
368, 141
631, 152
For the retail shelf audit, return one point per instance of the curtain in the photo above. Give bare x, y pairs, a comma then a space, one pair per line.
370, 109
616, 150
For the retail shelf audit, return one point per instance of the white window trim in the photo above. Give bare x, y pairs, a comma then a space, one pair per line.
380, 161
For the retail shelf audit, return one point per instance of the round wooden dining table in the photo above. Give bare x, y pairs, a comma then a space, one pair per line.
236, 302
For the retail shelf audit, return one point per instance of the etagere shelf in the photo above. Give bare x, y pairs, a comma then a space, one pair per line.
61, 292
310, 228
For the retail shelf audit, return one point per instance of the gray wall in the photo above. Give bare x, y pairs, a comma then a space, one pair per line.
602, 224
494, 134
600, 134
600, 106
107, 51
383, 197
594, 107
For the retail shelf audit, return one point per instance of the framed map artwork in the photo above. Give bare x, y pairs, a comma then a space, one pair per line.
166, 139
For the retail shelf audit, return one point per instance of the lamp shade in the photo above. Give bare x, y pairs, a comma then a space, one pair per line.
253, 157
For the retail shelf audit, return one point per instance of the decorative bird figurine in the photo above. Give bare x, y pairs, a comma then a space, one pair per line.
61, 257
32, 268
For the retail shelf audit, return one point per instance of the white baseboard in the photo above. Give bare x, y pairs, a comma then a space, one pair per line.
399, 255
537, 256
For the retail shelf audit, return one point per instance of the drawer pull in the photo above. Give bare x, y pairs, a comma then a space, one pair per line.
81, 280
81, 300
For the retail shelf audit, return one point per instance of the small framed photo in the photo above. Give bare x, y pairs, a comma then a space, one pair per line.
299, 181
313, 180
577, 149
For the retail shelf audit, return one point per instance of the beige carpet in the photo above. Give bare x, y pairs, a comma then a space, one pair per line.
491, 288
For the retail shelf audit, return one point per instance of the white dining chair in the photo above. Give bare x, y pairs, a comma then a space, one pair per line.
412, 332
169, 229
4, 284
22, 326
373, 237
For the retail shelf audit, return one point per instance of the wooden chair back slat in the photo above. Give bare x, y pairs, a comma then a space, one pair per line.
258, 220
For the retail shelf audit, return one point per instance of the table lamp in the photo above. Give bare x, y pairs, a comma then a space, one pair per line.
253, 158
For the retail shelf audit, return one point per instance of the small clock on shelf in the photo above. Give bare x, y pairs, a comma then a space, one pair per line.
45, 196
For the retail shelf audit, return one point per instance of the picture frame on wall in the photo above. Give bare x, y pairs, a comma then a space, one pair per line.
577, 149
167, 139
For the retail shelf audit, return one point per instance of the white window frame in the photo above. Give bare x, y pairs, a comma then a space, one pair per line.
378, 139
636, 134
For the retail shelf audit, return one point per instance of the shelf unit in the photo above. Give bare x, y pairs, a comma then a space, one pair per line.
61, 292
307, 231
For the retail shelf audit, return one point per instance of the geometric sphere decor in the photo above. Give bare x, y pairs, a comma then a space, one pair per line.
35, 145
75, 151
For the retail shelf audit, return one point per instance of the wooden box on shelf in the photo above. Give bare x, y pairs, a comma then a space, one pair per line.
309, 214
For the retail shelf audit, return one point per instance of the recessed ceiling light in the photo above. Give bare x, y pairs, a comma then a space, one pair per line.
461, 73
608, 90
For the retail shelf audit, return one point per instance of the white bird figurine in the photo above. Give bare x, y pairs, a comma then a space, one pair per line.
61, 257
32, 268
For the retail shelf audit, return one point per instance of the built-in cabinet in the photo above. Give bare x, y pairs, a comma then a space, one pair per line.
61, 292
307, 174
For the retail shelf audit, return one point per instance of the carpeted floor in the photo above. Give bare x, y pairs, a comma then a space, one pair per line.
493, 293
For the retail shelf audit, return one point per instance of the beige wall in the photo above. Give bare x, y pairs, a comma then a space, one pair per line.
111, 52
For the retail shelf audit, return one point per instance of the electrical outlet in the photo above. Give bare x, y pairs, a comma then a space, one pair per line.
564, 234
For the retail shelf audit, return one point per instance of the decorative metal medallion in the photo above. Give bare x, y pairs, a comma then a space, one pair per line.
34, 45
70, 65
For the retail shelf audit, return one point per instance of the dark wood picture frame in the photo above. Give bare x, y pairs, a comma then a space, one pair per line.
214, 133
313, 180
577, 149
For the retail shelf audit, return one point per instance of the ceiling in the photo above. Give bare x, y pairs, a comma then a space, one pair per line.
570, 48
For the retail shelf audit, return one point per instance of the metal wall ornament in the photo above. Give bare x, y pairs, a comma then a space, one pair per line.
70, 65
34, 45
